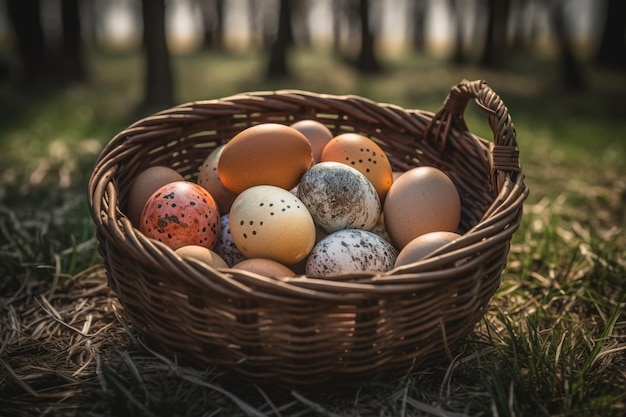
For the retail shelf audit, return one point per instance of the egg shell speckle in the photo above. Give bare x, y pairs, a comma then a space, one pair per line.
350, 250
225, 247
181, 213
339, 197
270, 222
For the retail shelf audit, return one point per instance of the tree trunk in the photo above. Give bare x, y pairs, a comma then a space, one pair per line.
367, 62
159, 90
571, 71
418, 23
612, 50
73, 68
278, 66
30, 42
495, 42
213, 19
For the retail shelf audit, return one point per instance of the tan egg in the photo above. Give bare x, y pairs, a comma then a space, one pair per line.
317, 133
209, 179
270, 222
423, 245
265, 267
363, 154
264, 154
144, 185
421, 200
200, 253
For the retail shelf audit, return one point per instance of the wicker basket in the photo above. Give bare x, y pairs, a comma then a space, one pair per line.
306, 331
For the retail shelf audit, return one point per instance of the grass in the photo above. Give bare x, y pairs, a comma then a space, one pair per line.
552, 343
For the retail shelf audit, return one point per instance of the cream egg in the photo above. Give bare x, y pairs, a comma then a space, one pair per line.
270, 222
420, 247
200, 253
209, 179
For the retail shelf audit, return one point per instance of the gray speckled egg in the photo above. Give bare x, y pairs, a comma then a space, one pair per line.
350, 250
339, 197
225, 247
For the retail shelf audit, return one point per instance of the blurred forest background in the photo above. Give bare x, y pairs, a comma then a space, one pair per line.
44, 42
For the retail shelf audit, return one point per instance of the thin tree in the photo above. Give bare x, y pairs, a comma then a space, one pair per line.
367, 61
73, 68
213, 23
495, 48
612, 50
30, 41
158, 86
571, 70
278, 66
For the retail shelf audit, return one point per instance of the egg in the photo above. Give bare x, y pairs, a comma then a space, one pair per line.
181, 213
269, 222
146, 183
317, 134
421, 200
264, 154
363, 154
339, 197
350, 250
209, 179
423, 245
225, 247
200, 253
265, 267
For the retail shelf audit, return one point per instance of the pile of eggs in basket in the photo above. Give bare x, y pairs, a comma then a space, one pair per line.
283, 200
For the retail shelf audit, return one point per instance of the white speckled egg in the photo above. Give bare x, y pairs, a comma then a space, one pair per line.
350, 250
225, 247
339, 197
270, 222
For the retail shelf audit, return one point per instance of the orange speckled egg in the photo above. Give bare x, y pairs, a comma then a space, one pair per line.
423, 245
363, 154
317, 133
270, 222
264, 154
209, 179
181, 213
265, 267
200, 253
421, 200
146, 183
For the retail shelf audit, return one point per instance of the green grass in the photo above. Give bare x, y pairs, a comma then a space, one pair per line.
552, 343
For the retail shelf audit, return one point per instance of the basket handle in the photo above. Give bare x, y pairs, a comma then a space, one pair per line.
503, 151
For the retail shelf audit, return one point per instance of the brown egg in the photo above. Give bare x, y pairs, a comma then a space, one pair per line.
146, 183
265, 267
200, 253
421, 200
264, 154
209, 180
423, 245
363, 154
317, 133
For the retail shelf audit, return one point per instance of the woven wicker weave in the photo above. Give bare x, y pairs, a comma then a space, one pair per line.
306, 331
